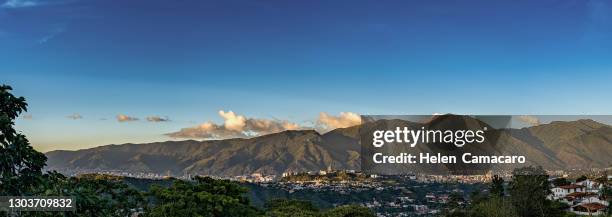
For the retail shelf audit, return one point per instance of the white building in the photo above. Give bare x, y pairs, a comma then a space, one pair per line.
591, 186
577, 198
562, 191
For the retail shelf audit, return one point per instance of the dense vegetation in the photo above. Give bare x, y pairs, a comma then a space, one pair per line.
21, 174
524, 196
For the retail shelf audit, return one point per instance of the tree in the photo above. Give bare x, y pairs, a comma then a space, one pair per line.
290, 208
606, 193
528, 191
349, 211
302, 208
21, 173
94, 195
456, 200
581, 178
203, 196
560, 182
497, 186
494, 206
478, 196
20, 165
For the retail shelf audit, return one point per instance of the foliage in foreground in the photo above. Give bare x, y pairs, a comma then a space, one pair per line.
20, 165
299, 208
203, 197
525, 197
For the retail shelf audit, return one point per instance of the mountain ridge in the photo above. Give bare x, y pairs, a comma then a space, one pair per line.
309, 150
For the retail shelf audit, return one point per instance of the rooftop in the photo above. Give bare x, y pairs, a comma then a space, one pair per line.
591, 206
572, 186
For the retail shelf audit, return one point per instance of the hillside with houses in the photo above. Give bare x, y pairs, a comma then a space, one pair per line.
584, 196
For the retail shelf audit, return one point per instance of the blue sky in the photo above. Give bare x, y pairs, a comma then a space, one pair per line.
288, 61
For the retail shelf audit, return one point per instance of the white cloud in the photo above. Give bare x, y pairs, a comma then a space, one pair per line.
235, 126
157, 119
125, 118
74, 116
14, 4
532, 120
345, 119
239, 126
27, 117
232, 121
52, 34
20, 3
264, 126
206, 130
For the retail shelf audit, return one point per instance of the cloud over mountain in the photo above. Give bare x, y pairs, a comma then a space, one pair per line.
235, 126
345, 119
531, 120
232, 121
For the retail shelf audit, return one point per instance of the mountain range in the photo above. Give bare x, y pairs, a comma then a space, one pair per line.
557, 145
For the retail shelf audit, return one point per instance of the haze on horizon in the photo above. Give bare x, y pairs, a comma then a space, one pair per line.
99, 72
